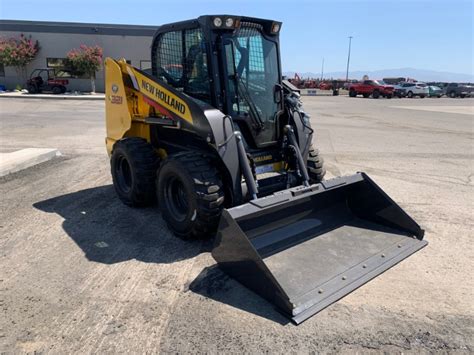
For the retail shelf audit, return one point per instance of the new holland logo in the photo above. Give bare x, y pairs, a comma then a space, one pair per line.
164, 97
159, 94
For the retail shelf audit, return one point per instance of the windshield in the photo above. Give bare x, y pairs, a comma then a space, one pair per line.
252, 66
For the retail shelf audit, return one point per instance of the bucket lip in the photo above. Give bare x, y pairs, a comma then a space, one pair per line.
293, 194
301, 313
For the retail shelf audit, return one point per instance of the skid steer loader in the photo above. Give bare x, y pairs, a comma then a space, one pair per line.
225, 147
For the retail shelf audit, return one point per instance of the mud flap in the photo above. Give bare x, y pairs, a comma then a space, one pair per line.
304, 248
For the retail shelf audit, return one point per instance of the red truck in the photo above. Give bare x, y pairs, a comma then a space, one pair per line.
366, 88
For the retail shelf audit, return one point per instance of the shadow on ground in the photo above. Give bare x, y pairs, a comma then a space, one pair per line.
109, 232
214, 284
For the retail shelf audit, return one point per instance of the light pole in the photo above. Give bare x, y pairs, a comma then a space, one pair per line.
348, 59
322, 70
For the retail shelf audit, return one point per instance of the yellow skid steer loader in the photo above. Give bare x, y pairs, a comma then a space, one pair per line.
223, 144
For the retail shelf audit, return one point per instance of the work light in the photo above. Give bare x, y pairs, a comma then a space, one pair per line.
229, 22
217, 22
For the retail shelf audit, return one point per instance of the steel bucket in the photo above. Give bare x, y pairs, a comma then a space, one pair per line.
306, 247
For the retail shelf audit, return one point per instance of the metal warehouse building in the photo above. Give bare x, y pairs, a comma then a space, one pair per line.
56, 39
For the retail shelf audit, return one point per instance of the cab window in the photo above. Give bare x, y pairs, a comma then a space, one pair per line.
181, 61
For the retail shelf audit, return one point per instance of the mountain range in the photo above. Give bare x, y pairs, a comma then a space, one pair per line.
418, 74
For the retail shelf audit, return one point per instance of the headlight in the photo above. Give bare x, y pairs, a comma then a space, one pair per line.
229, 22
217, 22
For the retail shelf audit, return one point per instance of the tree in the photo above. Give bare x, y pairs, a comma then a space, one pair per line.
86, 60
18, 53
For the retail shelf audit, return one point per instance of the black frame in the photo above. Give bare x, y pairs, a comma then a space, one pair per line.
217, 70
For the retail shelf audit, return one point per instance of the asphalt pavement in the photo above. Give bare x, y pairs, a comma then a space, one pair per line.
80, 272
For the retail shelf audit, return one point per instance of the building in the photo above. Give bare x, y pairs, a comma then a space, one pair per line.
56, 39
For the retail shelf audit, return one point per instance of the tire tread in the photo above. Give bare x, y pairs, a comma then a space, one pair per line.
209, 193
315, 165
145, 163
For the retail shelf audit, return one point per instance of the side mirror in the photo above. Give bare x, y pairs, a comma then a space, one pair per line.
277, 93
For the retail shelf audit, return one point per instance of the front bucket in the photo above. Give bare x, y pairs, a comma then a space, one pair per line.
304, 248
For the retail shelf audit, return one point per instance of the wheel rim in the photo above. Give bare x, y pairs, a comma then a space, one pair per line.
124, 174
176, 199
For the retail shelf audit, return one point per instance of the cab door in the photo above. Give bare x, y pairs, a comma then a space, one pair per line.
367, 86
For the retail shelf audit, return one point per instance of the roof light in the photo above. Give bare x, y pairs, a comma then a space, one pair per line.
217, 22
275, 27
229, 22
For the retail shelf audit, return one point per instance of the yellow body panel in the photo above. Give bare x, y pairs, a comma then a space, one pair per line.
127, 107
117, 114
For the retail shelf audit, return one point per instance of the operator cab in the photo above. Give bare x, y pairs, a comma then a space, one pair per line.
231, 63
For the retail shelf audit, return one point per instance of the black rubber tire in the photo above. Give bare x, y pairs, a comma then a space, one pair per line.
410, 94
366, 95
133, 166
352, 93
315, 165
422, 96
389, 96
190, 195
376, 94
32, 89
57, 90
452, 94
462, 96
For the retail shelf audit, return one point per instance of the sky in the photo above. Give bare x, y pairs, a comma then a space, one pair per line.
423, 34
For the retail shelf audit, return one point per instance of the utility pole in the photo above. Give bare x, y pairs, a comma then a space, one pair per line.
322, 70
348, 59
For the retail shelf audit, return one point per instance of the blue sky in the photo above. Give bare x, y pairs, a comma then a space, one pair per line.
423, 34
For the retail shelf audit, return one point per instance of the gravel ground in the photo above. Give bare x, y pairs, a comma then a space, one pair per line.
80, 272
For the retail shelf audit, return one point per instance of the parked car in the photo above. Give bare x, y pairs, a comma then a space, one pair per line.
435, 91
459, 90
366, 88
412, 89
46, 80
399, 91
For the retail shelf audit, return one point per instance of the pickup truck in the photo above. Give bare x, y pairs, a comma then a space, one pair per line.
366, 88
459, 90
